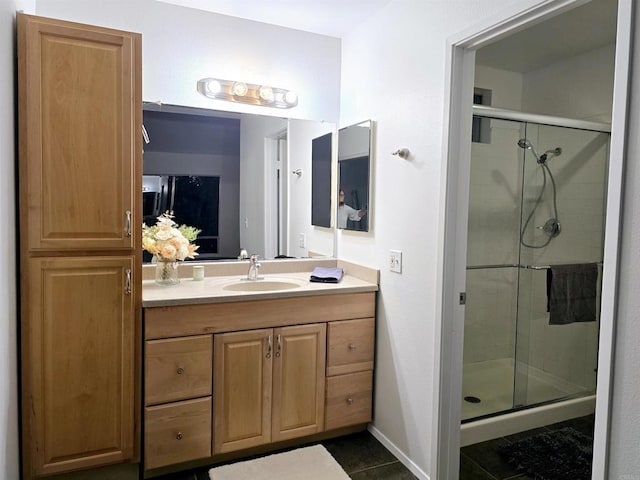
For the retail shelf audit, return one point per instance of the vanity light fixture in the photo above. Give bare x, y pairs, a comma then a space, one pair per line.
242, 92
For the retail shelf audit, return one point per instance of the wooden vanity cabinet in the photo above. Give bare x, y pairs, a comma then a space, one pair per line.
350, 372
269, 385
178, 410
80, 117
283, 369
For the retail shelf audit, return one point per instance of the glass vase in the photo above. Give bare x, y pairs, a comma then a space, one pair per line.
167, 272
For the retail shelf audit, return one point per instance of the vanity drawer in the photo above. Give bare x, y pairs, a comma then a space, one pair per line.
349, 399
177, 432
350, 346
178, 369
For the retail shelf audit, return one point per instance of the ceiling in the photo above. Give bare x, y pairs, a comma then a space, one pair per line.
572, 33
575, 32
334, 18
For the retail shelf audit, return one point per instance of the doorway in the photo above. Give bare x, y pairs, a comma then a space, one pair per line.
461, 66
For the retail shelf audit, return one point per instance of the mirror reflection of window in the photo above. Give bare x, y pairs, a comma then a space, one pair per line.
354, 156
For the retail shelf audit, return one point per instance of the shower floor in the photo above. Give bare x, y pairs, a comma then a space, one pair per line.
492, 382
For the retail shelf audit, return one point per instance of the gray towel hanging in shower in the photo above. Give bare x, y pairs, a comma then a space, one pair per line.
572, 293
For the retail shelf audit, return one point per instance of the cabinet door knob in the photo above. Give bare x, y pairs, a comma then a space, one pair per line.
180, 371
179, 436
350, 401
352, 346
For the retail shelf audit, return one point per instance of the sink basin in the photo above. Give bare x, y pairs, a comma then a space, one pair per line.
261, 286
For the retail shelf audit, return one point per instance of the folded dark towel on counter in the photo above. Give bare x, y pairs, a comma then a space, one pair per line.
326, 275
572, 293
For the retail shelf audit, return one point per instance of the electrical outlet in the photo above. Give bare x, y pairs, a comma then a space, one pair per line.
395, 261
302, 240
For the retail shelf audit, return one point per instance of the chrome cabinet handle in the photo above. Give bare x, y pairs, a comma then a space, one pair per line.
278, 345
269, 346
179, 436
350, 401
127, 282
180, 371
128, 223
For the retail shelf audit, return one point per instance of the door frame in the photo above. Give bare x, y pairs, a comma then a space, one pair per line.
460, 66
275, 213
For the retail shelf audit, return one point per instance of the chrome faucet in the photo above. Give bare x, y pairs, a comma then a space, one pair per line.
254, 265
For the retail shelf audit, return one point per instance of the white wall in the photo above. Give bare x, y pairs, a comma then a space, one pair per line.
182, 45
393, 72
8, 340
624, 461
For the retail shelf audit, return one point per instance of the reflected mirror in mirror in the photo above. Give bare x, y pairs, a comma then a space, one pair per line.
229, 174
321, 153
354, 159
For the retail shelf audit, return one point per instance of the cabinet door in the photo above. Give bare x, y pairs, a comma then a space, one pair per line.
80, 134
298, 381
242, 371
78, 364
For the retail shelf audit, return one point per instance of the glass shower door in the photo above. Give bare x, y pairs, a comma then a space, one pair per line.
554, 362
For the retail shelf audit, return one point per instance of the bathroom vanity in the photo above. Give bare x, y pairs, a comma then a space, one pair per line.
231, 368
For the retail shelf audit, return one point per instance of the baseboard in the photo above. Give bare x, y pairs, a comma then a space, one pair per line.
399, 454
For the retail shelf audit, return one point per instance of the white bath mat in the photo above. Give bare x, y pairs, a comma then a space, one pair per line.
309, 463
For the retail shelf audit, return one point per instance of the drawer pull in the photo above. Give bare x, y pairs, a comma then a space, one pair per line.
349, 401
179, 436
180, 371
352, 347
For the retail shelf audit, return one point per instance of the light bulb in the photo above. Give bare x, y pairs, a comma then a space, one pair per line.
266, 93
291, 97
213, 87
240, 89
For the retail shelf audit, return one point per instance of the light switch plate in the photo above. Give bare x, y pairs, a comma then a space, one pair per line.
302, 241
395, 261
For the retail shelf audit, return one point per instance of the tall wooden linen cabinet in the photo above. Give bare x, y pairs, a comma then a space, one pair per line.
80, 174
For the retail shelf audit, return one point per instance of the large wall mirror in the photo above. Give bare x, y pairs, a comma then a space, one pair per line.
354, 167
232, 176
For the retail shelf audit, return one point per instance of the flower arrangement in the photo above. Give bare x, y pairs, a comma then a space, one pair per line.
169, 241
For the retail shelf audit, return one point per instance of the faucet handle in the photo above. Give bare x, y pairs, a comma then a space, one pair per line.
254, 257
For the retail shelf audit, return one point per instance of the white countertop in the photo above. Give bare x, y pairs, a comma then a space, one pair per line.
211, 289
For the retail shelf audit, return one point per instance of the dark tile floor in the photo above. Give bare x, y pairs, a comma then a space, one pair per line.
360, 455
483, 462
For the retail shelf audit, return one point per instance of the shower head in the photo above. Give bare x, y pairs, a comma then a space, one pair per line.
527, 145
524, 143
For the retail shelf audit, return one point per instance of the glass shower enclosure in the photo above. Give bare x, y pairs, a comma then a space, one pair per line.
536, 203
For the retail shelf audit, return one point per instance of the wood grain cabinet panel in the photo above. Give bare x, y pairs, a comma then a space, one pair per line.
178, 369
79, 119
177, 432
80, 380
242, 389
349, 399
298, 381
351, 345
